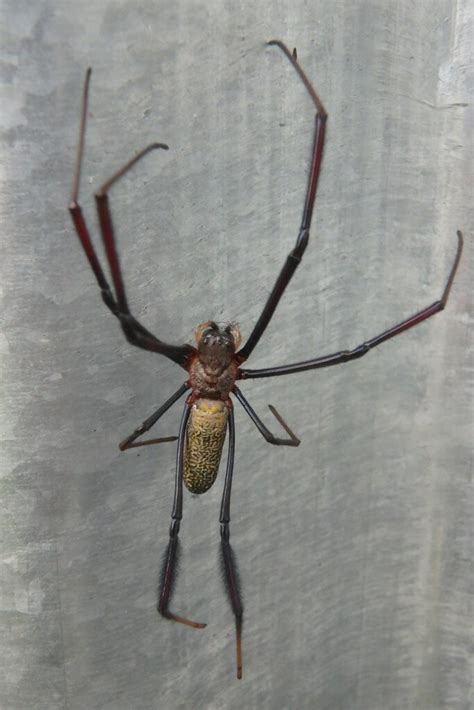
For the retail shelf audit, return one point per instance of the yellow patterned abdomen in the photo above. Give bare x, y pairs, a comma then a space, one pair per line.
205, 436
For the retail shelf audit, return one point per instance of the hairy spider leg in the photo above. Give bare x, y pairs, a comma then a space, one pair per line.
360, 350
296, 255
168, 573
229, 564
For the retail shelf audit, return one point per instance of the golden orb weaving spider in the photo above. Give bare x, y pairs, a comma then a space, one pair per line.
214, 364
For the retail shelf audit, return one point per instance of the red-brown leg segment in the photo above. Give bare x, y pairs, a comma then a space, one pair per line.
134, 331
360, 350
295, 256
168, 573
76, 210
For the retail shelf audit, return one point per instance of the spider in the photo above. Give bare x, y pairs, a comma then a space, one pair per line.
214, 364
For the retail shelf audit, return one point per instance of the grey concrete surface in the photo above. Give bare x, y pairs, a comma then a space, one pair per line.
355, 549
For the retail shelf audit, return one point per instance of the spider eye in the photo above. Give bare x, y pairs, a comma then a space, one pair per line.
210, 328
204, 329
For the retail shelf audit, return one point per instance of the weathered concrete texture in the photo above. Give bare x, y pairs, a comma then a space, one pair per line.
355, 549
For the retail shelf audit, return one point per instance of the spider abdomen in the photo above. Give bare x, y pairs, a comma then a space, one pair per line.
205, 436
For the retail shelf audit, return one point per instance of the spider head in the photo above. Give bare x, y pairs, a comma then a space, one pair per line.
217, 343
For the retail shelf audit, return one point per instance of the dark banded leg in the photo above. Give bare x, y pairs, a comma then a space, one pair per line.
295, 256
168, 572
148, 423
231, 575
360, 350
266, 433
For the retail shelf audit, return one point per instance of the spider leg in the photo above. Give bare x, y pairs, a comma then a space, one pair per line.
266, 433
229, 565
76, 210
148, 442
134, 331
170, 560
360, 350
150, 421
296, 255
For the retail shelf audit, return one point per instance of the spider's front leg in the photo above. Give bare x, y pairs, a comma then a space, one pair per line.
296, 255
134, 331
348, 355
75, 209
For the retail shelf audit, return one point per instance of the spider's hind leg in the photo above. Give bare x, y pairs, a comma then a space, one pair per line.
168, 574
229, 566
168, 578
231, 578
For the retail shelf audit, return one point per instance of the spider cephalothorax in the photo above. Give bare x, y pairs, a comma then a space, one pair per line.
215, 365
213, 370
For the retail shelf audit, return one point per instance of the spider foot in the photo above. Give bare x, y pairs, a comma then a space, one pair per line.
239, 648
183, 620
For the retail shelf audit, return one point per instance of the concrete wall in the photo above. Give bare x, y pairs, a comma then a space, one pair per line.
354, 549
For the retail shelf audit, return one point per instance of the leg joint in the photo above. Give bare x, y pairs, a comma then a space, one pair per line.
360, 350
128, 324
301, 244
225, 531
109, 300
174, 528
